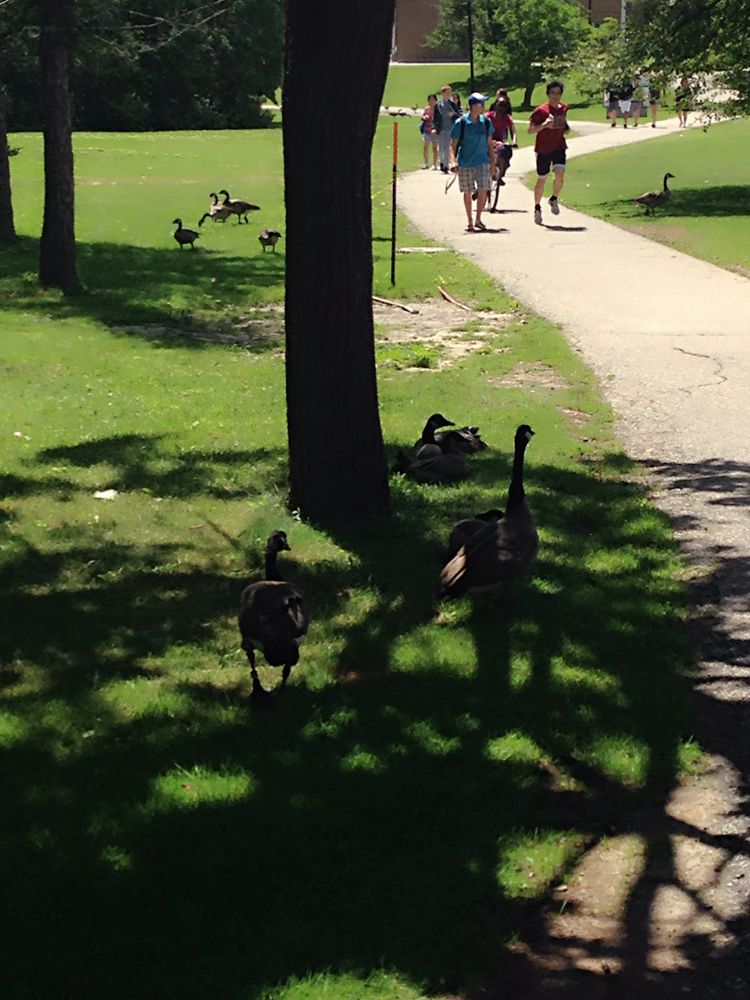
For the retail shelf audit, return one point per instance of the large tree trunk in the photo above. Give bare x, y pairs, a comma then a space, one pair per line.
528, 93
57, 252
336, 63
7, 227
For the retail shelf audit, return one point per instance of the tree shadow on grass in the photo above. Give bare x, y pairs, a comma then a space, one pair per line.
196, 849
132, 287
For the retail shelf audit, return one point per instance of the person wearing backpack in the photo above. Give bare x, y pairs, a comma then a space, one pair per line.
473, 158
448, 113
429, 128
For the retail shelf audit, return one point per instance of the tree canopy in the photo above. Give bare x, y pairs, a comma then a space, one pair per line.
517, 41
170, 64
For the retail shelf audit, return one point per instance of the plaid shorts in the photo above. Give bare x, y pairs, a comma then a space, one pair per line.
469, 177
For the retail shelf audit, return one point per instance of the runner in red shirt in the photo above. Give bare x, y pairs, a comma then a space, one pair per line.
549, 124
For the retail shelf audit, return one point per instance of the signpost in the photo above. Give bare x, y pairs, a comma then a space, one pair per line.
393, 204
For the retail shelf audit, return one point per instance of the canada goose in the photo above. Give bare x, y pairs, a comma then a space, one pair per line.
269, 238
217, 211
500, 550
468, 527
654, 198
272, 618
464, 439
184, 236
238, 207
427, 446
441, 468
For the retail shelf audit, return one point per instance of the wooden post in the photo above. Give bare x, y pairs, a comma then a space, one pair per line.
393, 204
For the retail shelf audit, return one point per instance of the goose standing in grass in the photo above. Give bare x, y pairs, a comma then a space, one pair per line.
499, 550
272, 618
237, 206
427, 446
468, 527
217, 211
269, 238
655, 199
184, 237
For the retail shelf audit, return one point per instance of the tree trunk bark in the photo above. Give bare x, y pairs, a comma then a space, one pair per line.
528, 93
7, 226
336, 62
57, 250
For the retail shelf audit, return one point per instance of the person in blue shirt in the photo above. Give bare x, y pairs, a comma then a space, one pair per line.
473, 158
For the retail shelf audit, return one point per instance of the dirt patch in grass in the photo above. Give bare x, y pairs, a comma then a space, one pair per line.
440, 327
535, 375
577, 417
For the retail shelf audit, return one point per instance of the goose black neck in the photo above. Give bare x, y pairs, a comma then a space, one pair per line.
428, 434
272, 570
516, 492
666, 178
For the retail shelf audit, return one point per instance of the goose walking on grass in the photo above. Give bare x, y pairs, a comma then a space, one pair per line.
269, 238
655, 199
184, 237
495, 550
272, 619
217, 211
237, 206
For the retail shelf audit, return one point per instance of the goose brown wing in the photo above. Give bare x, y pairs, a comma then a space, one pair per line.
272, 611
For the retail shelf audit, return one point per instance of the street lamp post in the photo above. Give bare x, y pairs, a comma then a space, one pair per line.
623, 12
470, 27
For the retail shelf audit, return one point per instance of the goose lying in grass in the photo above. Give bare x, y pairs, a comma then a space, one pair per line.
495, 551
441, 468
464, 439
237, 206
272, 619
184, 237
654, 199
427, 446
269, 238
468, 527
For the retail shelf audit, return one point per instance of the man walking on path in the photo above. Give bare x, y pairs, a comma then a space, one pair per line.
549, 124
473, 156
447, 112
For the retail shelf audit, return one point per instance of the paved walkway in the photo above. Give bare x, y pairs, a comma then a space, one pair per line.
669, 337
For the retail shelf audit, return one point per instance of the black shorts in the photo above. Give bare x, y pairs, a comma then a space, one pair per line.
545, 160
507, 153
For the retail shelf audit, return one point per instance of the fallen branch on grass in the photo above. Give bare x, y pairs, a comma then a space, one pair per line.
449, 298
398, 305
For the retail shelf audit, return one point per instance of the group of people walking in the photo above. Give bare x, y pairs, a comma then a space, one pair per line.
633, 98
478, 145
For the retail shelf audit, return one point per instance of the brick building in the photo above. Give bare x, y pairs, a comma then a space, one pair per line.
416, 19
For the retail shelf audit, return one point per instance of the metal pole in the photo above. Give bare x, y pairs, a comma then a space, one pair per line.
623, 12
393, 204
470, 25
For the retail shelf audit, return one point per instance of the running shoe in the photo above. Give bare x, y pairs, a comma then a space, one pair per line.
555, 208
538, 214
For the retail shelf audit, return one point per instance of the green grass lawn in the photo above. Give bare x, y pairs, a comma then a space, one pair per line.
709, 210
431, 770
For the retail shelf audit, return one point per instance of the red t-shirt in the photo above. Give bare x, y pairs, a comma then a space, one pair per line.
550, 139
502, 124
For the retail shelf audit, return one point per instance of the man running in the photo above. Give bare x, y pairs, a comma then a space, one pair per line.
473, 156
549, 124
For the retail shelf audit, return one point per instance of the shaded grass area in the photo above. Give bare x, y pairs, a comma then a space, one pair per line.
429, 773
707, 213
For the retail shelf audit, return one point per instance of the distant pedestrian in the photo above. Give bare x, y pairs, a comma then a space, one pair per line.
654, 97
430, 127
620, 100
502, 95
503, 135
549, 123
682, 96
448, 112
473, 158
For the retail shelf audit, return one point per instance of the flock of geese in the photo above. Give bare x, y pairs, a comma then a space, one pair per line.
220, 211
485, 551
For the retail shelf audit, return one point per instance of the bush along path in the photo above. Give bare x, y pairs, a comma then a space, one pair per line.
662, 906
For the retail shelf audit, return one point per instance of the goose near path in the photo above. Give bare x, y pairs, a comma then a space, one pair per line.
272, 619
184, 237
655, 199
237, 206
501, 549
